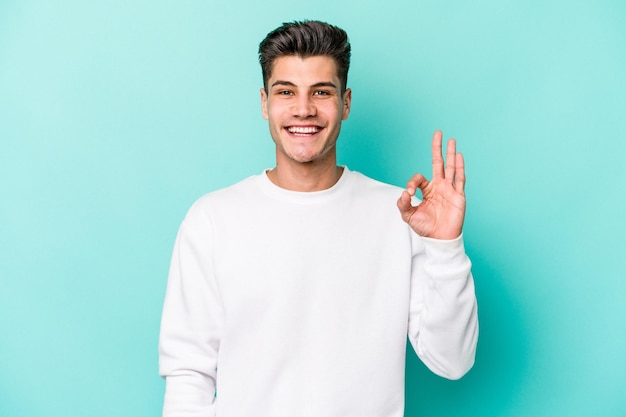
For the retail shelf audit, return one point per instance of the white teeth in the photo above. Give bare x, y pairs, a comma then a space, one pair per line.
303, 130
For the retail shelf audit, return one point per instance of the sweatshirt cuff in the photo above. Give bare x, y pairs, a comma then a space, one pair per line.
449, 254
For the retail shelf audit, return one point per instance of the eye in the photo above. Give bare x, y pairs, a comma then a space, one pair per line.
284, 92
321, 93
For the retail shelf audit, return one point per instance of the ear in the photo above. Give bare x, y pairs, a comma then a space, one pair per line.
347, 103
264, 104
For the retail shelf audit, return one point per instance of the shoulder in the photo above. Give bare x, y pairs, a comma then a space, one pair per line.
224, 198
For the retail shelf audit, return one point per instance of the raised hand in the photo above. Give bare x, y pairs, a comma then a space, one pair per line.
441, 213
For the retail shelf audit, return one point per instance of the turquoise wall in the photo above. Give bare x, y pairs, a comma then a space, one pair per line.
116, 115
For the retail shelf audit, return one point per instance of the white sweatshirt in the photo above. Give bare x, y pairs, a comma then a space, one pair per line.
291, 304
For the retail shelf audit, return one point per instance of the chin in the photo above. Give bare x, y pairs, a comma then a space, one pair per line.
304, 157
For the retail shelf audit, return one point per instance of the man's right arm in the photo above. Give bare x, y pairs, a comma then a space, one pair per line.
191, 323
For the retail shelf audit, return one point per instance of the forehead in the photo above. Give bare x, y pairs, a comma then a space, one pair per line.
311, 69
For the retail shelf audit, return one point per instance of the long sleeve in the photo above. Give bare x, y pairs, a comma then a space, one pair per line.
443, 321
191, 323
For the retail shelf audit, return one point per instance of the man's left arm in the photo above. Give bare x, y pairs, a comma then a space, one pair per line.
443, 323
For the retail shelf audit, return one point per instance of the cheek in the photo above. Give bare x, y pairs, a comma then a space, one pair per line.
275, 111
272, 115
330, 112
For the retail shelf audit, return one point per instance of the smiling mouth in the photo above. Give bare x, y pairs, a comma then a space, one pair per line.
304, 130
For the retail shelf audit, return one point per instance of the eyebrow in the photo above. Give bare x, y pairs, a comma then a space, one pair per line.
320, 84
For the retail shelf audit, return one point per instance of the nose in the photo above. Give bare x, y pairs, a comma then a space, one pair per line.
304, 107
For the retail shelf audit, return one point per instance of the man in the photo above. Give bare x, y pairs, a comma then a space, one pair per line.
291, 293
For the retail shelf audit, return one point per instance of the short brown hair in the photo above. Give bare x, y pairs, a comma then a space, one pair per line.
305, 39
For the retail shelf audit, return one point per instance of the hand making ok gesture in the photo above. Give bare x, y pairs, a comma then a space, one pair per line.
441, 213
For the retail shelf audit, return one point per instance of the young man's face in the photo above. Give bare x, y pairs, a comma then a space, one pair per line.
304, 106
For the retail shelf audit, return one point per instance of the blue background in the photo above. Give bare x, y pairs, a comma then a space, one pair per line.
116, 115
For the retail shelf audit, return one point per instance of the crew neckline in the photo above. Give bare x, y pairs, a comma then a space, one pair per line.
304, 197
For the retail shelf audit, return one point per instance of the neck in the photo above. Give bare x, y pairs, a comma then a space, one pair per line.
305, 177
